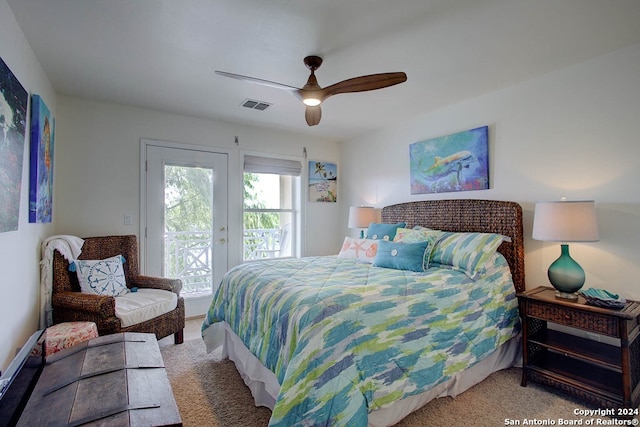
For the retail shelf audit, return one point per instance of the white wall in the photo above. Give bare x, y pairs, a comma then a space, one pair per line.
98, 167
20, 250
573, 133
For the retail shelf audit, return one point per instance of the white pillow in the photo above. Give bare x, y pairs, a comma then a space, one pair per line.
360, 249
102, 277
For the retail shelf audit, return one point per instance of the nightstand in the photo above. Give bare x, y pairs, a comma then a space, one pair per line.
604, 373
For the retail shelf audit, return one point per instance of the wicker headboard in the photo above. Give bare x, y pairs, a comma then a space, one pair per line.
485, 216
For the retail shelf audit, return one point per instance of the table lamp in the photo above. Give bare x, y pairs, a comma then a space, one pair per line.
361, 216
565, 221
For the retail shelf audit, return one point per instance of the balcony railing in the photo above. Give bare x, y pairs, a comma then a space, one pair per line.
189, 255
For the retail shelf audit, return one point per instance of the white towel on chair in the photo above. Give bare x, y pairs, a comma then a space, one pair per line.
69, 247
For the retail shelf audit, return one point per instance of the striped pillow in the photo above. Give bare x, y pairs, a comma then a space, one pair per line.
466, 252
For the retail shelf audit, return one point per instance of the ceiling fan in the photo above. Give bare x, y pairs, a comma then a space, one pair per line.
312, 95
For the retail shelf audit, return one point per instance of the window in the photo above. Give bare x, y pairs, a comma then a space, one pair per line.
271, 208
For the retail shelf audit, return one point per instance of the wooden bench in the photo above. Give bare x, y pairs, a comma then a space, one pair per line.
116, 379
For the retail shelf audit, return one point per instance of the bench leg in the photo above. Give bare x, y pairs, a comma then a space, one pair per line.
178, 337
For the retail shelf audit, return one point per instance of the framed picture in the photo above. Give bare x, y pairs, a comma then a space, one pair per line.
41, 162
13, 119
457, 162
323, 182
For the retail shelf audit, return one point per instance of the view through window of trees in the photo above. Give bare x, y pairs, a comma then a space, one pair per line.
269, 216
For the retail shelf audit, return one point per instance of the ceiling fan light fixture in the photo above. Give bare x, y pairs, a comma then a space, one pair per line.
311, 101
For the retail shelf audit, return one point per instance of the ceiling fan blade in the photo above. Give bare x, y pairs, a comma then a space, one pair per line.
262, 82
364, 83
313, 115
312, 95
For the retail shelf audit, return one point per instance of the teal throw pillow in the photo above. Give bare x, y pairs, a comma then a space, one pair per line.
383, 231
406, 235
401, 256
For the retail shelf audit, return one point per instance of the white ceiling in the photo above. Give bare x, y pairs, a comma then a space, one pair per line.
161, 54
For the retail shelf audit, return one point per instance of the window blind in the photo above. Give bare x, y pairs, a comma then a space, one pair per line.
257, 164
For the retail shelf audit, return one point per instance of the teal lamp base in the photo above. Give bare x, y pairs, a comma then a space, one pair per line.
566, 275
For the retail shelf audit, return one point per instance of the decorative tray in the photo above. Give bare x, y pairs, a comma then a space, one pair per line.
603, 298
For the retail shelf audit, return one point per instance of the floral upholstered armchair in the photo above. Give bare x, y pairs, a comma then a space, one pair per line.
147, 304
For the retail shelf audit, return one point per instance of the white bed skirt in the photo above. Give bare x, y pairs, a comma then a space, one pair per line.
265, 387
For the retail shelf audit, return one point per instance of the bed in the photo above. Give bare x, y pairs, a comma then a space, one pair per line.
340, 341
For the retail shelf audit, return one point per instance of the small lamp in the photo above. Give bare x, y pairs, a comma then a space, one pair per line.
565, 221
361, 217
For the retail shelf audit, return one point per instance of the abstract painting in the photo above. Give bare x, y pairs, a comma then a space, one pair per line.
457, 162
41, 162
13, 119
323, 182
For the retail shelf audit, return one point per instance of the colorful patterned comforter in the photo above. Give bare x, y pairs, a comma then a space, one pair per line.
345, 338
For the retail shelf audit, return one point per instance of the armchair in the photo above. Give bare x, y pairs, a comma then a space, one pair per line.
69, 304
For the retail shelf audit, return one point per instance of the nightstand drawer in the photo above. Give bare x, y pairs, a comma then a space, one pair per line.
589, 321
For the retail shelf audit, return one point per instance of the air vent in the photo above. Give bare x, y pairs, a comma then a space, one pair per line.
255, 105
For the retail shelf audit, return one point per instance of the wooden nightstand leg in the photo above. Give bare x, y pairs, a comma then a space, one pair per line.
631, 378
525, 332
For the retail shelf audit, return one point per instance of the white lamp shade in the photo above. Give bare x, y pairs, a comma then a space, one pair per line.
565, 221
361, 216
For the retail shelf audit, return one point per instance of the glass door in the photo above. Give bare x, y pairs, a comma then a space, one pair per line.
186, 220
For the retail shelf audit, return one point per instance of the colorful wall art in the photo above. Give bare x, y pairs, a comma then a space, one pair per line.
41, 162
13, 119
323, 182
457, 162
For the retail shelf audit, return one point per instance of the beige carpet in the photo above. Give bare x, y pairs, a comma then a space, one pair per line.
210, 392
